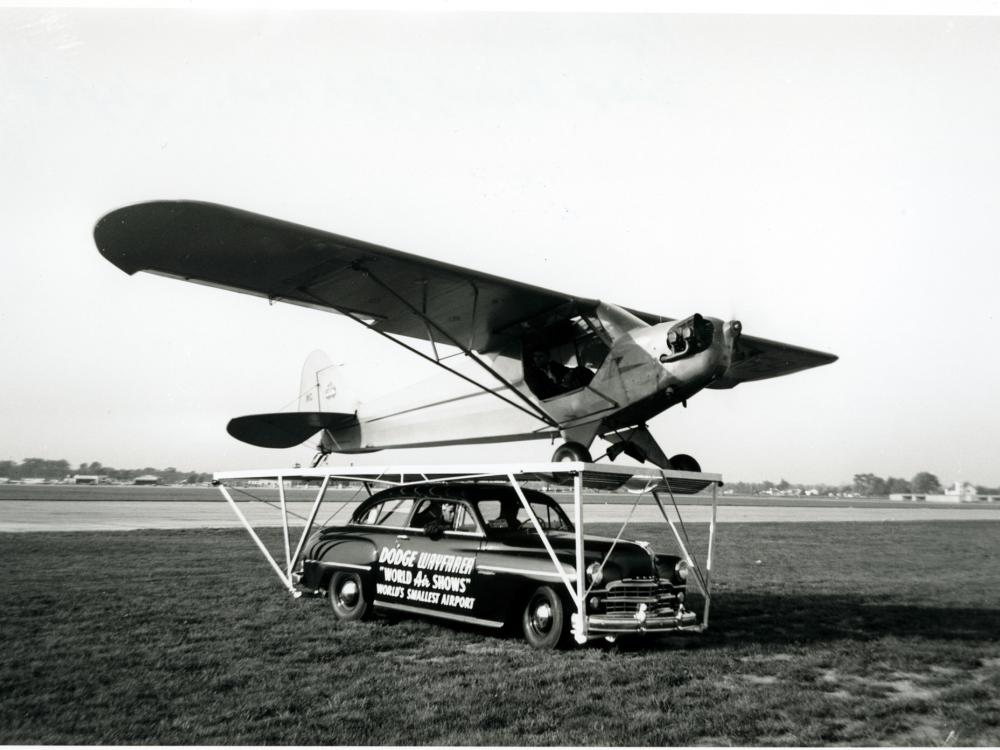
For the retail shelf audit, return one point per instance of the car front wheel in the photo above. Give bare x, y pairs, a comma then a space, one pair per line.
347, 596
544, 619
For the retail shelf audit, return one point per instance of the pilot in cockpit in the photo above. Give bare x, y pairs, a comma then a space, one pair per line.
547, 378
543, 375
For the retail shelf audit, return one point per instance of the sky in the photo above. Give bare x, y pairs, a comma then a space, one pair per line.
831, 181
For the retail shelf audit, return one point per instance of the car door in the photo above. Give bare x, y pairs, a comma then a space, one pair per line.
387, 527
439, 551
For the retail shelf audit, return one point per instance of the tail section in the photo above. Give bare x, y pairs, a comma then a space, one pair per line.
323, 388
325, 403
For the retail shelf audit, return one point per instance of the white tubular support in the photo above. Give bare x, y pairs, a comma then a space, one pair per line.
312, 519
637, 481
684, 549
581, 611
708, 563
545, 541
239, 514
284, 525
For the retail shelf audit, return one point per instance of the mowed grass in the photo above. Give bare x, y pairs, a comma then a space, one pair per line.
820, 634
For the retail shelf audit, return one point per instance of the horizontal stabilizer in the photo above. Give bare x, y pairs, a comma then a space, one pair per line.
286, 429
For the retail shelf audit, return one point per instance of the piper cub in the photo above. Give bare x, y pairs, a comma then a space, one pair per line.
536, 364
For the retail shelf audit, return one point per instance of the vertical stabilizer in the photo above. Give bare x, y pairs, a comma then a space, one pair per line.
323, 388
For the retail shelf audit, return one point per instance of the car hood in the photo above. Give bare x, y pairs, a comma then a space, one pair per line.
628, 559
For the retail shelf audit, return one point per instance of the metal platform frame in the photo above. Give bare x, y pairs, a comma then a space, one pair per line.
635, 480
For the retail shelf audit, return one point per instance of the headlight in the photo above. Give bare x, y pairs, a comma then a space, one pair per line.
681, 569
594, 573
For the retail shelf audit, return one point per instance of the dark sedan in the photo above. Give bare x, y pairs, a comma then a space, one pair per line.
471, 553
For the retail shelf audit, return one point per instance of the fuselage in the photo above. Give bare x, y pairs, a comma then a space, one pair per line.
639, 377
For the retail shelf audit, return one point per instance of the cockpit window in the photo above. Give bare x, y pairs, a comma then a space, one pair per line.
564, 356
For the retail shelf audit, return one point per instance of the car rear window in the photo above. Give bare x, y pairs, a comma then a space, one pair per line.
388, 513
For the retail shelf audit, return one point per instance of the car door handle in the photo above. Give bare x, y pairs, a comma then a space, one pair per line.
402, 536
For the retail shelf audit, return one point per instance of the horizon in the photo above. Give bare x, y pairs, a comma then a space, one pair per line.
108, 467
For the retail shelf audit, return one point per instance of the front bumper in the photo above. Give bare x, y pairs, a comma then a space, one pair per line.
617, 624
640, 605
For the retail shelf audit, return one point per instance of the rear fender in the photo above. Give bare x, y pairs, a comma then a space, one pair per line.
343, 554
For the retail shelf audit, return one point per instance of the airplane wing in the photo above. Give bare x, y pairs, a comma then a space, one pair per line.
396, 292
757, 359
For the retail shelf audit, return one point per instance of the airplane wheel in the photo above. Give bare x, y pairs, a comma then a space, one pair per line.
347, 597
571, 452
544, 619
684, 462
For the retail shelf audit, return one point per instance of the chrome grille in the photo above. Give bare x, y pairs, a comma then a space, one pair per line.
623, 597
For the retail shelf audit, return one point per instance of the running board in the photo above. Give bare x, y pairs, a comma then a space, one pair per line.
435, 613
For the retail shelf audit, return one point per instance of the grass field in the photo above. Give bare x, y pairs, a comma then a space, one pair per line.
821, 634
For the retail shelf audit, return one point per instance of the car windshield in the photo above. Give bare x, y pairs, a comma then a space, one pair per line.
510, 515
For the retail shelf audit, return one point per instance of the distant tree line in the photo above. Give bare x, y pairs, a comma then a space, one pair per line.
923, 483
865, 485
42, 468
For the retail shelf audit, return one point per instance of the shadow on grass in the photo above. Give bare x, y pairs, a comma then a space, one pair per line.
776, 620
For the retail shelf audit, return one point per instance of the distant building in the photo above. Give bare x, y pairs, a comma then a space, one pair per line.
262, 483
146, 479
85, 479
964, 491
960, 492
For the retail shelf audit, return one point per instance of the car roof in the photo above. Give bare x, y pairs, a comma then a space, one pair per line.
473, 492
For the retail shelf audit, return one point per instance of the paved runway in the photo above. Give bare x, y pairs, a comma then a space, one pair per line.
122, 515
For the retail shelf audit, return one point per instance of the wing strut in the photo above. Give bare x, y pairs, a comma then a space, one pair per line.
429, 322
533, 412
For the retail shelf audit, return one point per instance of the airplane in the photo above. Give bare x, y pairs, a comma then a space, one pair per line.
522, 362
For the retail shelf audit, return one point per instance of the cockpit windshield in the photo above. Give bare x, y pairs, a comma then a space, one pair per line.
565, 355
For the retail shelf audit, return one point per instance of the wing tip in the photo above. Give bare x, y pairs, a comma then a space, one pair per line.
118, 234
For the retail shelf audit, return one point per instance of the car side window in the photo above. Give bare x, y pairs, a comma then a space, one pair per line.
510, 515
434, 511
549, 518
388, 513
465, 520
490, 510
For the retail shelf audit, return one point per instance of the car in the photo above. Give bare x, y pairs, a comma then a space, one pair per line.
469, 553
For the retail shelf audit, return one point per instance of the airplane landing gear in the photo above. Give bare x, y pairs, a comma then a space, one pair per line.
571, 452
637, 443
629, 449
680, 462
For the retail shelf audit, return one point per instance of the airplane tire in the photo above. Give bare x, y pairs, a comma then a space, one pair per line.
544, 619
571, 452
684, 462
347, 597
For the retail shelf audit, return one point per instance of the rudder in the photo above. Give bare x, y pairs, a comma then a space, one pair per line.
326, 403
323, 387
